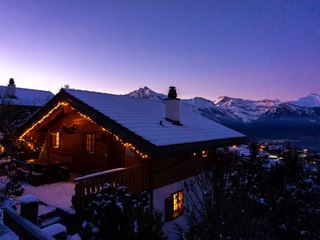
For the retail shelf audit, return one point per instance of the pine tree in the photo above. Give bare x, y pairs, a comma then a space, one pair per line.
253, 202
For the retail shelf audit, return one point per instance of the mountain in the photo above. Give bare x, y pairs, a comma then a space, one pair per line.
256, 118
206, 107
147, 93
246, 110
312, 100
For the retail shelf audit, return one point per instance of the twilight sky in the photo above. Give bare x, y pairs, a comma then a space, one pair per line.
251, 49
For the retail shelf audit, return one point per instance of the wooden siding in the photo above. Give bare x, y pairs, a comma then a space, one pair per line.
174, 169
108, 154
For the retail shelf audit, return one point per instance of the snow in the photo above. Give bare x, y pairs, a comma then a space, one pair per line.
246, 110
136, 227
312, 100
55, 229
26, 97
28, 199
56, 194
199, 102
98, 174
143, 117
147, 93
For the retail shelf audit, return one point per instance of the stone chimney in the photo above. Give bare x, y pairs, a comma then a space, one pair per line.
172, 107
11, 89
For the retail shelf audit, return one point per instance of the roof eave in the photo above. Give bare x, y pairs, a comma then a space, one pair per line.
41, 112
125, 134
175, 149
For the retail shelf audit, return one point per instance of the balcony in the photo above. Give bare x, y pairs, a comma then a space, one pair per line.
136, 179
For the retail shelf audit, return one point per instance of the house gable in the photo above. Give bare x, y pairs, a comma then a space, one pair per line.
142, 123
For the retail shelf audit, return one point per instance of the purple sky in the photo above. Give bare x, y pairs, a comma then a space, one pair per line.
248, 49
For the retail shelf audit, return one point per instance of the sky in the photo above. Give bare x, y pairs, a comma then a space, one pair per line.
252, 49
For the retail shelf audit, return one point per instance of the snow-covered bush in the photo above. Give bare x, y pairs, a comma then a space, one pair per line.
117, 214
9, 186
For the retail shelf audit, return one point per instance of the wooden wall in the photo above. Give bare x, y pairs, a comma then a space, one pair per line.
177, 168
109, 153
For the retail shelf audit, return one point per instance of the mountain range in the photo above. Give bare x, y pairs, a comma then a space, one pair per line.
258, 119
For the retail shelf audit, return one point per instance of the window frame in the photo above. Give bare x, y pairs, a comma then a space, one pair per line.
55, 139
89, 142
174, 209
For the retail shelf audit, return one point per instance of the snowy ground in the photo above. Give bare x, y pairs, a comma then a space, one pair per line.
56, 195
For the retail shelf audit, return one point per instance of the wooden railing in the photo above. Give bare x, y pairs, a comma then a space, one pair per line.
136, 179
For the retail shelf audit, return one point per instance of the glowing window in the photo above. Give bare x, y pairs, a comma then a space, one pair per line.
177, 204
89, 141
174, 206
205, 153
55, 140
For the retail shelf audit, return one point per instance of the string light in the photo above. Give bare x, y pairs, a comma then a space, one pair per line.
42, 119
125, 144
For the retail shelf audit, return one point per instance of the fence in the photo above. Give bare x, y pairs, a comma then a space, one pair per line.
136, 179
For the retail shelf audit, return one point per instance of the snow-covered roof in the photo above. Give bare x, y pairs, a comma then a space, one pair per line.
142, 117
26, 97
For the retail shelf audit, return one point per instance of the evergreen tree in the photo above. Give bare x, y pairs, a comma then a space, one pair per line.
115, 214
222, 206
253, 202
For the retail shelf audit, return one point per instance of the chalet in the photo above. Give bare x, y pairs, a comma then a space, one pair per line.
17, 104
23, 97
98, 134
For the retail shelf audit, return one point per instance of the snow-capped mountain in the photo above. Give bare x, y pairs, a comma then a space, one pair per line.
286, 111
206, 107
147, 93
312, 100
237, 111
257, 119
246, 110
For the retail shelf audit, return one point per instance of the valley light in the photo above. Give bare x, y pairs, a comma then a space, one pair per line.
274, 157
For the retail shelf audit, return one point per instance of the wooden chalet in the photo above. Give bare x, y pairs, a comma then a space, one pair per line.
23, 98
16, 106
143, 144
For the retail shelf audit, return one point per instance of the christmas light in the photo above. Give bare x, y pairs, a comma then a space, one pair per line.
125, 144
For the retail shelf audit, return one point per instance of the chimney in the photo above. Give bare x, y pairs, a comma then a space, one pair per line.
172, 107
11, 89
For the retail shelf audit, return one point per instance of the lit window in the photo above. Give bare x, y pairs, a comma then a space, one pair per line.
55, 140
205, 153
177, 204
89, 142
174, 206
